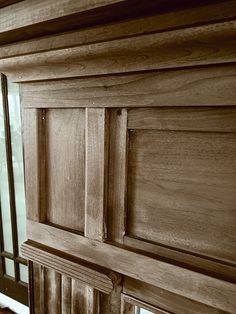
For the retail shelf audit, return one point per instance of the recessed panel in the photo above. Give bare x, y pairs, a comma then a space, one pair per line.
182, 190
65, 151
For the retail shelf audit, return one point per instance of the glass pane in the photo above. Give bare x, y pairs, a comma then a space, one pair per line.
4, 189
9, 267
24, 273
17, 159
138, 310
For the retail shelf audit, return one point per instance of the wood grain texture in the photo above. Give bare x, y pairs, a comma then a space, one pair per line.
96, 173
164, 299
34, 157
52, 292
65, 133
78, 302
117, 175
196, 286
202, 119
111, 304
213, 267
65, 295
186, 17
181, 188
211, 44
189, 87
32, 12
78, 270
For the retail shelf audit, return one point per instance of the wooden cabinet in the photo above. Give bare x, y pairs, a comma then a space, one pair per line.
130, 158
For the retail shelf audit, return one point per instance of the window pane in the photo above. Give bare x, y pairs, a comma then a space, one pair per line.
138, 310
4, 189
24, 273
17, 159
9, 267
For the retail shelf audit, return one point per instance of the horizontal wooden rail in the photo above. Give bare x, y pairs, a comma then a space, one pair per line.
193, 285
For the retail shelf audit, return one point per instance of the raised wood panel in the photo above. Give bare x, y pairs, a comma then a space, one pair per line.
213, 85
52, 292
181, 190
65, 151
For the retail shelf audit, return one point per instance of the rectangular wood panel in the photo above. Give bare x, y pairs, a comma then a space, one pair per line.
65, 150
181, 190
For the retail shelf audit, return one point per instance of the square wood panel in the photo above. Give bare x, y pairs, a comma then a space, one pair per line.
182, 180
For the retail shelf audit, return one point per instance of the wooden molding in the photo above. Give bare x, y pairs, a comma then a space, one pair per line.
211, 291
174, 49
183, 87
78, 270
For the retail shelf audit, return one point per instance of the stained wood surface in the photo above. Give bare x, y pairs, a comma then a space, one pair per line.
78, 270
96, 174
65, 151
184, 18
186, 87
34, 156
190, 284
165, 300
117, 175
181, 188
173, 49
202, 119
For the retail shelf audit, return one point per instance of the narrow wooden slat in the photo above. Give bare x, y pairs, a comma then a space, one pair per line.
52, 292
78, 298
95, 173
170, 277
79, 271
65, 295
92, 301
188, 87
111, 304
34, 156
210, 119
117, 175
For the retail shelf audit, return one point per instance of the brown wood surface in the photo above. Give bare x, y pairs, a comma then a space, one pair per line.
65, 151
181, 188
211, 44
96, 174
117, 175
190, 284
185, 87
164, 299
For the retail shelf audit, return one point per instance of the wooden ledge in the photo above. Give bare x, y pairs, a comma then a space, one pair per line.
98, 278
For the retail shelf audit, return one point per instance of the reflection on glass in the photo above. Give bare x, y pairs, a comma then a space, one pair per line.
4, 188
9, 267
138, 310
24, 273
17, 159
